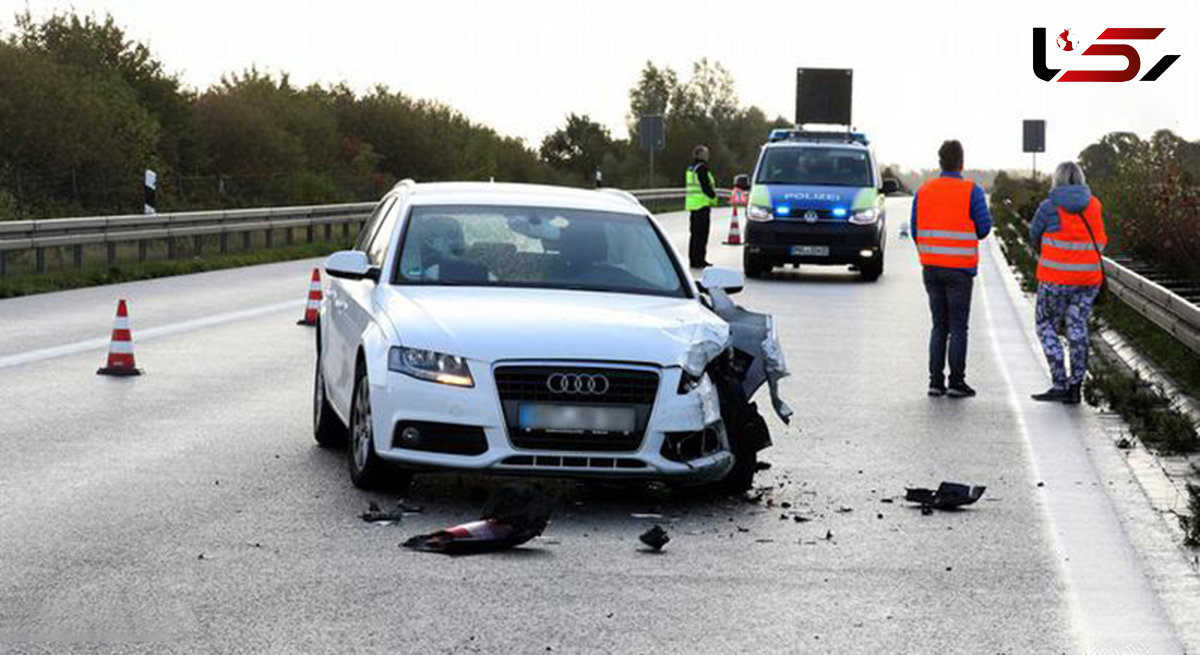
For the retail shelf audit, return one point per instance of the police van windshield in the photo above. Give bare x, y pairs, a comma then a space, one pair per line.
818, 166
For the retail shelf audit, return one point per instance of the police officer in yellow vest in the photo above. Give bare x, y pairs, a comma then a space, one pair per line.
701, 198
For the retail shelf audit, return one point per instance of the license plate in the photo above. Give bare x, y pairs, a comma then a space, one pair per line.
577, 418
810, 251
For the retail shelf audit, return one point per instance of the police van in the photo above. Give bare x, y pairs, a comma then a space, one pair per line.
816, 198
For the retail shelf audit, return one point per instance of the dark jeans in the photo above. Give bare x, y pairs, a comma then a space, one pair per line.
698, 243
950, 303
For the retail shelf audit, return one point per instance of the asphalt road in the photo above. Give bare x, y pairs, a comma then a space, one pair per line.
189, 510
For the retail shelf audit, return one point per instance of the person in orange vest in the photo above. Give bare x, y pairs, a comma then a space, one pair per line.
949, 217
1068, 232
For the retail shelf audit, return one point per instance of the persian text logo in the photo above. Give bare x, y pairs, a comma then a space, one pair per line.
1067, 41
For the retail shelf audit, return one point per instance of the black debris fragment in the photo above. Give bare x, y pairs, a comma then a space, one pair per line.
656, 537
762, 466
800, 519
829, 535
949, 495
376, 515
887, 500
511, 517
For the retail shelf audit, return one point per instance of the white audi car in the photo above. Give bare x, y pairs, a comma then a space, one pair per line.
541, 330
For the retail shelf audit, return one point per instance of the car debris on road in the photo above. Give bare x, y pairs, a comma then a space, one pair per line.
656, 537
511, 517
949, 495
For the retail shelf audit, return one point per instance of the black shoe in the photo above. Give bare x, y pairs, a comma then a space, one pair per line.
1052, 395
960, 390
937, 390
1074, 395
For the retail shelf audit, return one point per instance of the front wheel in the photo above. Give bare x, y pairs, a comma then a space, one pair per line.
753, 266
872, 271
367, 469
327, 427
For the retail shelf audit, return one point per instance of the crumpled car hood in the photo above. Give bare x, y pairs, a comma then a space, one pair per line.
509, 323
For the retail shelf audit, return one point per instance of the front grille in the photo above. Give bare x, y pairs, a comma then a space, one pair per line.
574, 462
528, 384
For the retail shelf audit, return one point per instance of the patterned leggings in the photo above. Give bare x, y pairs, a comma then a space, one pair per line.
1072, 305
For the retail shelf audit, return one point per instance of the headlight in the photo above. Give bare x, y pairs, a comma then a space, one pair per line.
430, 365
758, 213
864, 216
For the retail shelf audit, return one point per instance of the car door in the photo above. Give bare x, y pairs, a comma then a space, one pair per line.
342, 335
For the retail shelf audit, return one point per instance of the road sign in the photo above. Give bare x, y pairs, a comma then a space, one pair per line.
823, 95
653, 135
1034, 136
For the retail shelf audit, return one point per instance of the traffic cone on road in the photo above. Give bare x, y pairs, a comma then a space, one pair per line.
314, 300
735, 232
120, 349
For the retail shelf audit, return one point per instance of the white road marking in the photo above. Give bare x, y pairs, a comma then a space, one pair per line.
142, 335
1111, 602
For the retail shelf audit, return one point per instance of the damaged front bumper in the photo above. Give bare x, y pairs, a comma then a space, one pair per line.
683, 441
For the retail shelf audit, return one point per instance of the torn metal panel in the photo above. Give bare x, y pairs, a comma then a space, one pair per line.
754, 335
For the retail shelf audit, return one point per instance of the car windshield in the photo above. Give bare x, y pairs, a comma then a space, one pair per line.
818, 166
536, 247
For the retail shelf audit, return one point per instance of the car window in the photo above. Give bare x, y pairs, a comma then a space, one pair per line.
816, 166
537, 247
377, 248
372, 225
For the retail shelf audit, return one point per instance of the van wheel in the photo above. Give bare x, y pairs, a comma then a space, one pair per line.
871, 272
753, 266
367, 469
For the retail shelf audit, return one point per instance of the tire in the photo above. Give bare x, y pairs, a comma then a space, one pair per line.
873, 271
745, 460
327, 427
753, 267
367, 469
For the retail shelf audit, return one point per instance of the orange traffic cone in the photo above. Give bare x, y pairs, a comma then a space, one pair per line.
120, 349
735, 232
314, 300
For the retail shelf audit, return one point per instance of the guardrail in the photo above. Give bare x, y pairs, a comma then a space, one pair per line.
75, 233
1163, 307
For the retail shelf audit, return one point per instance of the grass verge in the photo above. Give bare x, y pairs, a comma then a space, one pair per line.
22, 285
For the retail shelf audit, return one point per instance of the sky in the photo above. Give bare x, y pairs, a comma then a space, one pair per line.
924, 71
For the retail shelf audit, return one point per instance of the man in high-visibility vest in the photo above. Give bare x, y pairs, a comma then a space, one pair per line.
700, 199
949, 217
1068, 233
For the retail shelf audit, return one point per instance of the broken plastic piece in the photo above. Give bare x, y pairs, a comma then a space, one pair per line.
511, 517
948, 496
656, 537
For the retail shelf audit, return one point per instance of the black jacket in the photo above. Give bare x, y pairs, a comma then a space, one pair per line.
702, 173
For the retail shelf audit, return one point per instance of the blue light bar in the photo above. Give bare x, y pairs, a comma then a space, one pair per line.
839, 211
783, 134
783, 210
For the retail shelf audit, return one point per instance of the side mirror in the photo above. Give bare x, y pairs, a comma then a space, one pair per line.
741, 182
726, 279
890, 186
351, 265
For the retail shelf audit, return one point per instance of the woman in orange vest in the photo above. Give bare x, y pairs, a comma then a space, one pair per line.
1068, 232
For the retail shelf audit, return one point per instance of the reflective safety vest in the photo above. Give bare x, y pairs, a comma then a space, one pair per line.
945, 232
1068, 256
695, 198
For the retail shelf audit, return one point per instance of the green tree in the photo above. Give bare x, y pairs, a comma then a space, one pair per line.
578, 147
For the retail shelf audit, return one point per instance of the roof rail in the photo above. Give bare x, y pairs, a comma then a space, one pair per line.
784, 134
408, 181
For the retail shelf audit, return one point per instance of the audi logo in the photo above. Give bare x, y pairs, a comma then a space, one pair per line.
587, 384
